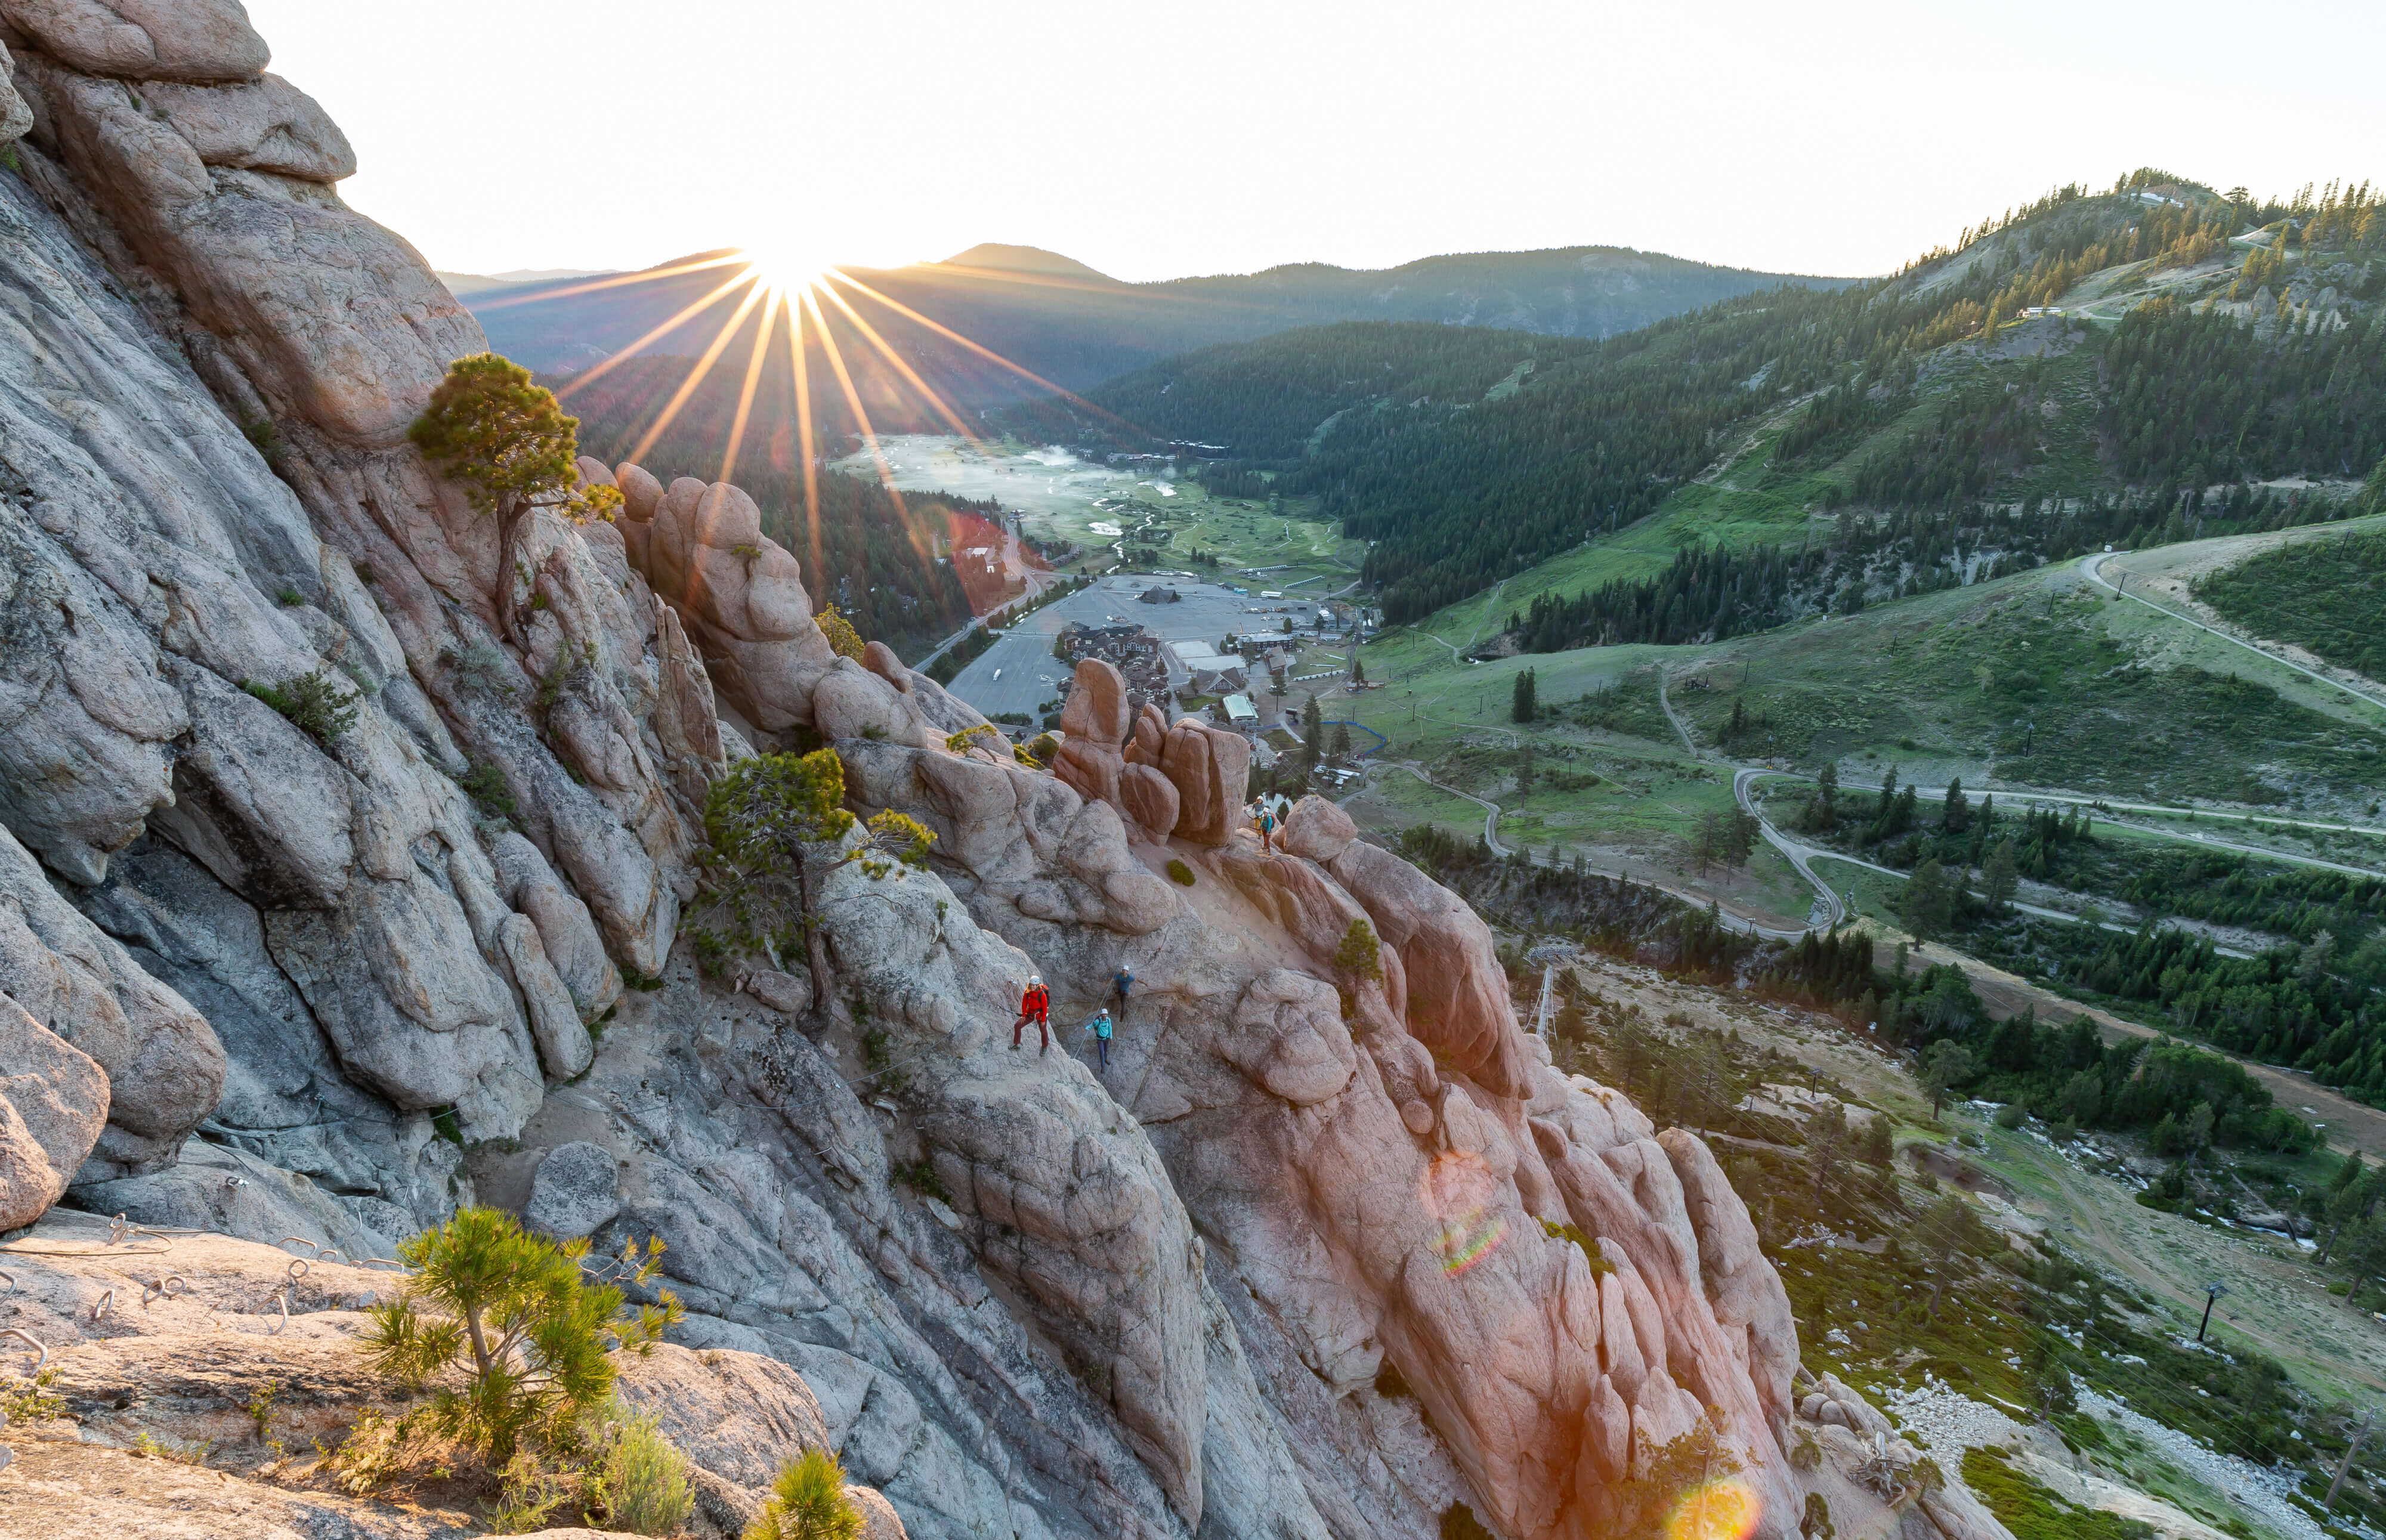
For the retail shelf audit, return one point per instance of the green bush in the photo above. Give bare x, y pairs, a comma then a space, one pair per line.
314, 703
485, 784
1179, 874
640, 1481
807, 1502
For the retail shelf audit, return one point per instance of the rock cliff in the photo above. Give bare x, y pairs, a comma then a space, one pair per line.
1324, 1252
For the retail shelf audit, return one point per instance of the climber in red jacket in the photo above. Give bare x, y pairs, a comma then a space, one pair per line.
1035, 1006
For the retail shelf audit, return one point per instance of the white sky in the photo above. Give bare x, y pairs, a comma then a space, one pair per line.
1153, 140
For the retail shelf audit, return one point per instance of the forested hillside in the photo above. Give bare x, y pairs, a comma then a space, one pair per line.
2204, 342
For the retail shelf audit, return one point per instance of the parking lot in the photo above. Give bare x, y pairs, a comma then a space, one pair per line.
1031, 675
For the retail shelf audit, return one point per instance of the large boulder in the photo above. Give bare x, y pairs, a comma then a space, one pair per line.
330, 317
1150, 799
574, 1192
1211, 768
144, 40
53, 1105
1317, 830
1093, 724
266, 124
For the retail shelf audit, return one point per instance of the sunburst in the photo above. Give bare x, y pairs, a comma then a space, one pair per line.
788, 292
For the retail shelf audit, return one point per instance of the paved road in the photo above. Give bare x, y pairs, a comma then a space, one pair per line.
1829, 908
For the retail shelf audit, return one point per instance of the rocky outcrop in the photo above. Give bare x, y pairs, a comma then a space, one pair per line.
160, 1065
247, 1352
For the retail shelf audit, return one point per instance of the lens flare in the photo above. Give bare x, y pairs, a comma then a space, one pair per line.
1458, 1192
1727, 1509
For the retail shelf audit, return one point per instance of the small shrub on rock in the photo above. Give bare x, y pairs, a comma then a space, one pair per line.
314, 703
485, 784
1179, 874
513, 1311
640, 1481
807, 1502
843, 639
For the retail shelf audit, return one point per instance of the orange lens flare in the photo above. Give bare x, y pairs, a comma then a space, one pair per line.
1459, 1191
753, 377
1727, 1509
590, 376
853, 405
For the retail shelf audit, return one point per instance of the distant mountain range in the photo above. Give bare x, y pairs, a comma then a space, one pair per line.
1075, 326
463, 284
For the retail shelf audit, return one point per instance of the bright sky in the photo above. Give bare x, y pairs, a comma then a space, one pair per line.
1154, 139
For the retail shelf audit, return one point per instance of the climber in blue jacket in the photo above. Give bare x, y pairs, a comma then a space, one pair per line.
1101, 1027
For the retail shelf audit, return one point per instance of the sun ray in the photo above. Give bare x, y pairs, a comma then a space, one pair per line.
853, 401
935, 401
753, 376
804, 431
643, 275
590, 376
947, 332
703, 367
981, 350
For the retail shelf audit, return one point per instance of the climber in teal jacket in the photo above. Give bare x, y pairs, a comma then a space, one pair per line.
1101, 1027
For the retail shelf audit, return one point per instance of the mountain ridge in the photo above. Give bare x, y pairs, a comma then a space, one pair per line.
1064, 321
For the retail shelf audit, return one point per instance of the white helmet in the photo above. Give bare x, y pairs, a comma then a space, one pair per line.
1033, 978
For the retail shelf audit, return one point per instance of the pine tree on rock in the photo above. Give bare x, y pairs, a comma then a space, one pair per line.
775, 827
490, 428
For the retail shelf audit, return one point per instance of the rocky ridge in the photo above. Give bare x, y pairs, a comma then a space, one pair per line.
1321, 1256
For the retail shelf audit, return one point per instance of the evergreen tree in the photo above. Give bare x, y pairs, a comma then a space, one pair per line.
1947, 1065
1927, 905
505, 440
2000, 879
1525, 706
775, 827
